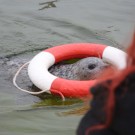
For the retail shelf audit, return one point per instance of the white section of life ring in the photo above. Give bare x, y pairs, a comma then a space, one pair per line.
115, 56
38, 70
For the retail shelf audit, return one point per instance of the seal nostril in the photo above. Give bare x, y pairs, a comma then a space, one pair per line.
91, 66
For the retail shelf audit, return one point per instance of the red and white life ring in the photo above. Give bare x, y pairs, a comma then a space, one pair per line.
38, 67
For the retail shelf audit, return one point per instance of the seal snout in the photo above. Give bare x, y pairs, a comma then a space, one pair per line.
105, 66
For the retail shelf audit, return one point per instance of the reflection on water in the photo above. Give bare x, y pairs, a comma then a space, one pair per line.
25, 31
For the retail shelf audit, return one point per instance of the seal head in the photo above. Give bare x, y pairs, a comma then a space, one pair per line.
89, 68
85, 69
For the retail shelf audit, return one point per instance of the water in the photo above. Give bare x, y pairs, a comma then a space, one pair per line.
25, 30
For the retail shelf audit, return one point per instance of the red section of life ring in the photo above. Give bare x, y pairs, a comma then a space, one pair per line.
70, 88
76, 50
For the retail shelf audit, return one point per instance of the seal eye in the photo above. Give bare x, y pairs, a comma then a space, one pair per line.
91, 66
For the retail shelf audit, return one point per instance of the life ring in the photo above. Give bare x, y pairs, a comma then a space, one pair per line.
40, 76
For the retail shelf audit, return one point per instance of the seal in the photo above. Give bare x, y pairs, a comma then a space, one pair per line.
89, 68
83, 69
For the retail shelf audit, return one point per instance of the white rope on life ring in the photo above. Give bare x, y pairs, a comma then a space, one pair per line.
39, 65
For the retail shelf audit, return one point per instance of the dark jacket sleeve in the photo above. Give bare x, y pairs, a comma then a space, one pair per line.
123, 122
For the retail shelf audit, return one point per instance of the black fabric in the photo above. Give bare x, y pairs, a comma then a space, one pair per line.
123, 122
